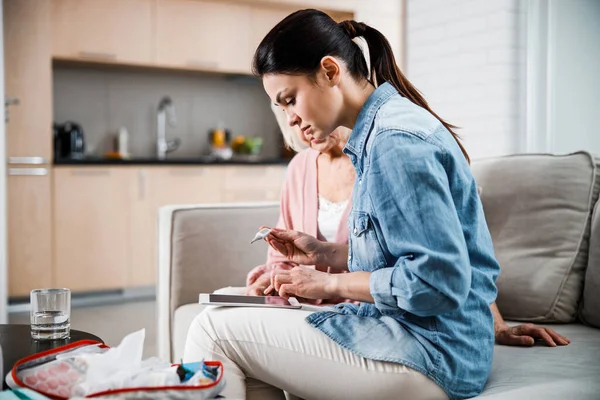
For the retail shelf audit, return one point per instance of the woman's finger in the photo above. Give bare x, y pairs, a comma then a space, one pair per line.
520, 340
278, 246
269, 290
542, 334
558, 339
287, 290
287, 236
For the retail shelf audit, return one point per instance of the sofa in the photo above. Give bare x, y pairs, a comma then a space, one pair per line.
544, 216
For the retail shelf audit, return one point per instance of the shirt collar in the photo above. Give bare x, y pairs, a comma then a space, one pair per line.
362, 127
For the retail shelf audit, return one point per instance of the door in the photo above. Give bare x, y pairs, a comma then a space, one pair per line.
29, 230
104, 30
250, 183
28, 78
207, 35
91, 227
157, 187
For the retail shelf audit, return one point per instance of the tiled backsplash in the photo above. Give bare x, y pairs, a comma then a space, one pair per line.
103, 100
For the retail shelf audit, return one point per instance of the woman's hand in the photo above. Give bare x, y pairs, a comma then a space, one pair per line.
526, 335
259, 285
297, 247
302, 282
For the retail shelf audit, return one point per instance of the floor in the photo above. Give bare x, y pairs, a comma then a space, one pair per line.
111, 322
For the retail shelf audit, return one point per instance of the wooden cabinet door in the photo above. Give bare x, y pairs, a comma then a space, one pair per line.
28, 77
29, 230
157, 187
253, 183
206, 35
262, 20
115, 31
91, 227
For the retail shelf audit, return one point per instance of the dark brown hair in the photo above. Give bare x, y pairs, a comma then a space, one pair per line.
297, 44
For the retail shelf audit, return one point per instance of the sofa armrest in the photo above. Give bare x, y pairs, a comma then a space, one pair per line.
202, 248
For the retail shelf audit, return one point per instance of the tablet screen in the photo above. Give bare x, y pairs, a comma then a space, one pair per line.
228, 298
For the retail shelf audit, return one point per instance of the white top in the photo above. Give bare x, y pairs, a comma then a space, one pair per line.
330, 215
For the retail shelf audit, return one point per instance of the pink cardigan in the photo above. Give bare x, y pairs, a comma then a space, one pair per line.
299, 210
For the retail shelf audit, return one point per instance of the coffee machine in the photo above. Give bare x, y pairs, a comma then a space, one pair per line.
69, 142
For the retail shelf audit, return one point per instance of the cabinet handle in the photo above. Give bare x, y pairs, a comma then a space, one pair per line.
203, 64
28, 160
93, 172
141, 185
28, 171
97, 55
187, 172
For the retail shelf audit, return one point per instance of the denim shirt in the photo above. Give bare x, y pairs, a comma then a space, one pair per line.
417, 225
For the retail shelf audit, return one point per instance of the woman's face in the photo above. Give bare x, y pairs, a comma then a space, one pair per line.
312, 106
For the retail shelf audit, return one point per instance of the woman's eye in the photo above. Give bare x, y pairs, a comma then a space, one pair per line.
290, 102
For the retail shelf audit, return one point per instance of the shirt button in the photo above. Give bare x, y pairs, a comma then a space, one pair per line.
355, 231
360, 181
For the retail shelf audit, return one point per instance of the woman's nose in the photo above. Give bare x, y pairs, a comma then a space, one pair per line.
293, 119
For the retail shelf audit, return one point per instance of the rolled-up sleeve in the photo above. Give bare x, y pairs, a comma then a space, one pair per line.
416, 215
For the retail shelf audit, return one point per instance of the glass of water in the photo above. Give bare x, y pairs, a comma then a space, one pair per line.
50, 314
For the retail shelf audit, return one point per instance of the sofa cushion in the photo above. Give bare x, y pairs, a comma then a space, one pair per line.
549, 373
590, 307
538, 209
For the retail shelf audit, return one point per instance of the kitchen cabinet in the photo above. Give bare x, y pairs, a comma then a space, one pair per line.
206, 35
104, 30
160, 186
28, 78
91, 225
105, 222
29, 230
253, 183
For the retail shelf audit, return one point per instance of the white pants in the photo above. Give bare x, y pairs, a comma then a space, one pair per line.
265, 350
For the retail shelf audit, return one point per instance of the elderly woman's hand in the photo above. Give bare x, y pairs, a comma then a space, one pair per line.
302, 282
296, 246
526, 335
260, 284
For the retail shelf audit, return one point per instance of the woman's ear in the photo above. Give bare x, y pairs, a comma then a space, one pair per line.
331, 69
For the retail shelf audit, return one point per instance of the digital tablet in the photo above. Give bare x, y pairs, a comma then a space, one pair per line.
247, 301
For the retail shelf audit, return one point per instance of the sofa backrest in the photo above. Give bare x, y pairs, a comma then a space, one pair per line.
205, 241
538, 209
590, 305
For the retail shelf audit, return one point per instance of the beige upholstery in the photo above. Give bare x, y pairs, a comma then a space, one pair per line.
538, 209
534, 206
203, 248
590, 310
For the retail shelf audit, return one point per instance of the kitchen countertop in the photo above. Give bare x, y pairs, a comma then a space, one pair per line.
205, 160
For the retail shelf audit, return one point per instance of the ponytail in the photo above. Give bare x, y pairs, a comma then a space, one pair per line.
384, 69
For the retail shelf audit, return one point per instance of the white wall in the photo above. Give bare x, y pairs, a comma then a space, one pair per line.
3, 237
574, 75
467, 58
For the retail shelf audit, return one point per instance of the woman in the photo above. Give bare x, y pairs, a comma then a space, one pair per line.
315, 200
420, 253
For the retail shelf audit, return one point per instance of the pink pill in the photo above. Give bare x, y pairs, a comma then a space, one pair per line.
43, 375
73, 375
63, 380
30, 380
63, 392
63, 367
42, 387
53, 384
